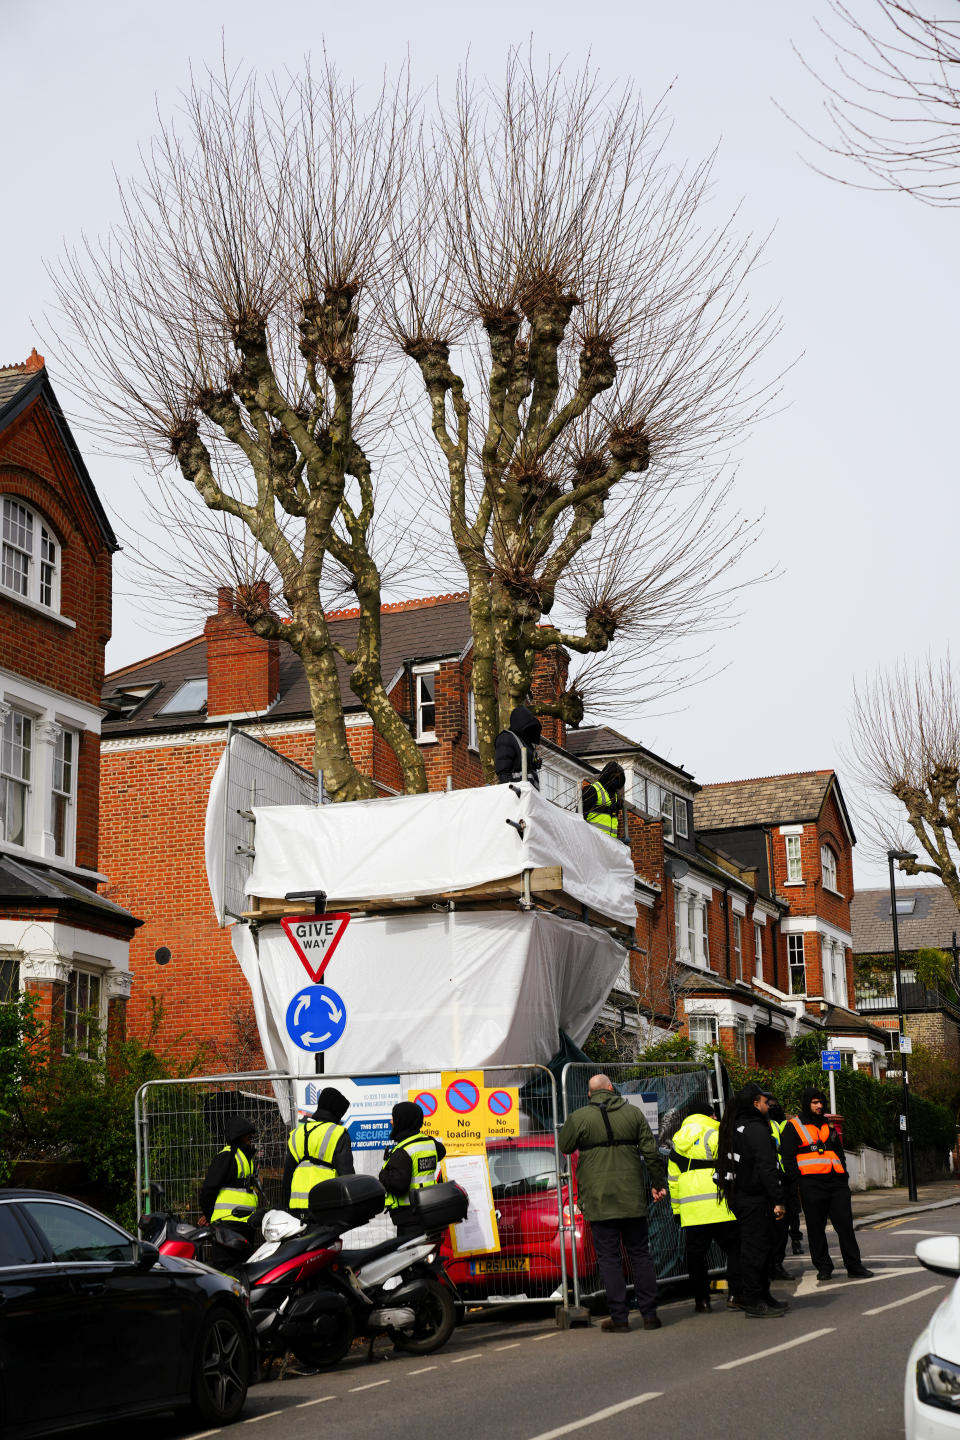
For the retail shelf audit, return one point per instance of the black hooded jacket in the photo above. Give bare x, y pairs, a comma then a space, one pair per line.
397, 1172
790, 1143
222, 1170
612, 779
342, 1156
524, 734
757, 1174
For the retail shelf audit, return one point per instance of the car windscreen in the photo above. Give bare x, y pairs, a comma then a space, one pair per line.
15, 1246
516, 1170
75, 1235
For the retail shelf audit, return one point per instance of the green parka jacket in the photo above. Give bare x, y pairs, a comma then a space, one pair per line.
611, 1184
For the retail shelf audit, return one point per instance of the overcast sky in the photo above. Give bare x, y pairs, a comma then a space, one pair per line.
856, 473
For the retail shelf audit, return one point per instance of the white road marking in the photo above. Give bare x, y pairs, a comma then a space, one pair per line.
599, 1415
460, 1358
252, 1419
552, 1336
879, 1309
202, 1434
514, 1345
372, 1386
422, 1371
926, 1232
319, 1401
810, 1285
776, 1349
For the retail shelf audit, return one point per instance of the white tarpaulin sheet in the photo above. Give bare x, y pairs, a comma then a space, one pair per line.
438, 991
425, 844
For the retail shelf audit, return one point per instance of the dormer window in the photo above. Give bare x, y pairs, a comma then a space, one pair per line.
30, 558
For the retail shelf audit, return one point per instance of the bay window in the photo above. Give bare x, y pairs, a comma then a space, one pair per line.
62, 791
82, 1017
702, 1030
797, 965
15, 757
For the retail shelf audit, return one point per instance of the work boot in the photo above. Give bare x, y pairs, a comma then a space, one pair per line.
774, 1303
652, 1322
701, 1307
861, 1273
823, 1276
763, 1312
797, 1246
778, 1273
615, 1327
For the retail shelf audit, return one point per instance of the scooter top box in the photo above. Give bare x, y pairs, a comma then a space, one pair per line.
348, 1200
436, 1206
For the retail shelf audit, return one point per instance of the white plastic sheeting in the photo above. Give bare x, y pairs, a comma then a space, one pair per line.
425, 844
438, 990
249, 773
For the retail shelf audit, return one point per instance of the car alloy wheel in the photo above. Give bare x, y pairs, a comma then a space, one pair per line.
223, 1369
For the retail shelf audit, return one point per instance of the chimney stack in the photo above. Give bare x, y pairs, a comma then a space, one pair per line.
243, 670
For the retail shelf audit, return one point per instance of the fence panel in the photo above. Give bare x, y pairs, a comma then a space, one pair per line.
181, 1125
664, 1092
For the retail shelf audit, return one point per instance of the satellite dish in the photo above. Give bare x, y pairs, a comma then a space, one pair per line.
162, 956
676, 869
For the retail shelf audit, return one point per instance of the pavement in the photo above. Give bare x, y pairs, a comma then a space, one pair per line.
872, 1205
839, 1355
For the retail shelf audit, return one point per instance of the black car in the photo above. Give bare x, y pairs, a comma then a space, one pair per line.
95, 1325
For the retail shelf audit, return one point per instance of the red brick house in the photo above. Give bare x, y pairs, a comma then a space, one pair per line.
58, 936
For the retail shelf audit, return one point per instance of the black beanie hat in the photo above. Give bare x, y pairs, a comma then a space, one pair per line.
333, 1102
611, 776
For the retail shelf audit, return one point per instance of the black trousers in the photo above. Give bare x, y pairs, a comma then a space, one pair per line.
631, 1234
697, 1239
755, 1225
829, 1199
787, 1227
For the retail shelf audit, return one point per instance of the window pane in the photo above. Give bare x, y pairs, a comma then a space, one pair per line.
18, 525
15, 1247
73, 1235
16, 571
758, 950
189, 699
793, 858
680, 814
9, 979
653, 798
666, 812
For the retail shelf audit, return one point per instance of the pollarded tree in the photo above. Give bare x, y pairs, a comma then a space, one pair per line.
287, 267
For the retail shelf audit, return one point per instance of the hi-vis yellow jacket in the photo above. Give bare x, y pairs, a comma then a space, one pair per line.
693, 1159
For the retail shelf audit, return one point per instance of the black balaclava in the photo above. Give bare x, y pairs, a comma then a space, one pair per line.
611, 777
407, 1119
812, 1093
524, 723
332, 1102
241, 1133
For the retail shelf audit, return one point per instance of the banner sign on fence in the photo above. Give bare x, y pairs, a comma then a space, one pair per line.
648, 1104
372, 1097
463, 1113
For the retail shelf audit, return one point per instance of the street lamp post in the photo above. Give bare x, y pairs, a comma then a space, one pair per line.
908, 1170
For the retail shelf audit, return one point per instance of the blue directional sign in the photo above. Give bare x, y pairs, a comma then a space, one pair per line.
316, 1017
829, 1059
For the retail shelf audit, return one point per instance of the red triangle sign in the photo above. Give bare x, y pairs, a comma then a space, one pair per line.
315, 937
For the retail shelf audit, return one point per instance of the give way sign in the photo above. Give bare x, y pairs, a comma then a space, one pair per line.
314, 938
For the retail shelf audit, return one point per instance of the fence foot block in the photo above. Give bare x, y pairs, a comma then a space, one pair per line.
570, 1315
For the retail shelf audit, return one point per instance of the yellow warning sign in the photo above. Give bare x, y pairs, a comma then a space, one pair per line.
463, 1112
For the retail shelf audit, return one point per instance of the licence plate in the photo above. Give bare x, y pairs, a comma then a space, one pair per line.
501, 1265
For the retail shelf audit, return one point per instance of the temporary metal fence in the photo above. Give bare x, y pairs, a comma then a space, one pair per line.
664, 1091
181, 1125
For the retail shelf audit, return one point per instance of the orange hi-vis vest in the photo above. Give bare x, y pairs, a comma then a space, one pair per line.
813, 1156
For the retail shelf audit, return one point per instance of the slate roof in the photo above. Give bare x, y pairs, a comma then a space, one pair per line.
434, 629
25, 884
767, 800
592, 740
20, 385
934, 919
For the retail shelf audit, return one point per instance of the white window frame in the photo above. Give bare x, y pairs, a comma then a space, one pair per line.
88, 987
740, 1039
638, 791
692, 927
680, 816
757, 951
679, 922
31, 541
697, 1025
63, 791
423, 735
794, 859
666, 813
14, 773
473, 739
703, 952
828, 868
738, 945
795, 945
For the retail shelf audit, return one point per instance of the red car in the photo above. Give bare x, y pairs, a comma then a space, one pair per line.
523, 1174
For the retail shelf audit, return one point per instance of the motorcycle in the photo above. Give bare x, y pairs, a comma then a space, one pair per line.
309, 1295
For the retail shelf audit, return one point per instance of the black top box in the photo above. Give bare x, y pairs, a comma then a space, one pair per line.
436, 1206
346, 1201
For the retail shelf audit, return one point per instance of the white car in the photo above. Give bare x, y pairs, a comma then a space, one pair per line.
931, 1391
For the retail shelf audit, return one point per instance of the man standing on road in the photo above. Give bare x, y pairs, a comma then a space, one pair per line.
704, 1216
813, 1160
751, 1185
611, 1137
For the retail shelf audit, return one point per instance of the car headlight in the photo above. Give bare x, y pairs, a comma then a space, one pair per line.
938, 1383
